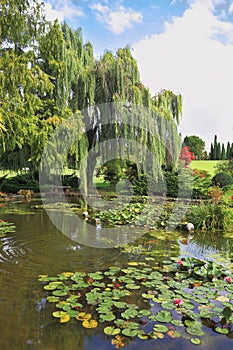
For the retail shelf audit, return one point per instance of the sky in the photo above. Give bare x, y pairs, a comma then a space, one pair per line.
182, 45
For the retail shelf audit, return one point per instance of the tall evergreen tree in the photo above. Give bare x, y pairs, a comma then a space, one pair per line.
218, 151
223, 152
215, 151
211, 152
228, 152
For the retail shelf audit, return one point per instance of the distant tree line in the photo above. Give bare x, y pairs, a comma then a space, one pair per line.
218, 151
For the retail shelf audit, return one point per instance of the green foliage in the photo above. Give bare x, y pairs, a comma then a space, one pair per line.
42, 87
21, 22
201, 183
225, 167
6, 227
171, 178
209, 216
222, 179
218, 151
196, 145
113, 170
198, 293
71, 180
19, 182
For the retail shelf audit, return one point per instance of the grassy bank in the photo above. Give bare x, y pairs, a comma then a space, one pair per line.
207, 165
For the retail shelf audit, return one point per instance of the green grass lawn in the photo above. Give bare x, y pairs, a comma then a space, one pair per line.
207, 165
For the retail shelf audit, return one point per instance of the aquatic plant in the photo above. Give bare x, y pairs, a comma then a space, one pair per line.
146, 299
6, 227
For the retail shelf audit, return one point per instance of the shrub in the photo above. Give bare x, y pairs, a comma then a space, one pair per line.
146, 185
171, 178
72, 181
210, 216
222, 179
19, 182
201, 184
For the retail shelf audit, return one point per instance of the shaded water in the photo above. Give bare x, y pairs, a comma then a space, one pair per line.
37, 247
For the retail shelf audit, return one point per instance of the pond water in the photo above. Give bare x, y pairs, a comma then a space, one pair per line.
37, 247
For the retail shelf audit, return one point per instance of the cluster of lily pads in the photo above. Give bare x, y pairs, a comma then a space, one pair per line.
6, 227
146, 299
139, 214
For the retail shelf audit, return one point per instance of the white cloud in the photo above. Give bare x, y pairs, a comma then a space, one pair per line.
117, 20
61, 10
231, 7
188, 59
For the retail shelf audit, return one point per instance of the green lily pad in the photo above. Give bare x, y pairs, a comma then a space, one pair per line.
120, 304
164, 316
59, 314
188, 305
205, 313
53, 285
221, 330
168, 305
73, 313
130, 332
129, 313
107, 317
177, 322
143, 336
60, 293
111, 330
193, 324
194, 331
160, 328
144, 313
52, 299
195, 341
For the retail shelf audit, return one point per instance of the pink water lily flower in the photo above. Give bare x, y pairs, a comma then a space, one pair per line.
180, 262
178, 301
228, 279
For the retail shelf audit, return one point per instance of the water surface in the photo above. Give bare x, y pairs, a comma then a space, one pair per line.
37, 247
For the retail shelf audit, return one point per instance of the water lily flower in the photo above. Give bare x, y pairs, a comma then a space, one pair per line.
178, 301
228, 279
180, 262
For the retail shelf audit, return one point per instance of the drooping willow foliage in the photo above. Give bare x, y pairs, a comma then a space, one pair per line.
55, 78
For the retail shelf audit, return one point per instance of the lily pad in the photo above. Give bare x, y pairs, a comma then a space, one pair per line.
90, 324
65, 318
221, 330
195, 341
194, 331
52, 299
59, 314
164, 316
82, 316
130, 332
160, 328
60, 293
111, 330
168, 305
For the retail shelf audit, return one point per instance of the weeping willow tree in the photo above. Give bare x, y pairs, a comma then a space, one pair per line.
49, 74
23, 83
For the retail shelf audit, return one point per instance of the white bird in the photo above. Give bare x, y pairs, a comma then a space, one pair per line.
189, 226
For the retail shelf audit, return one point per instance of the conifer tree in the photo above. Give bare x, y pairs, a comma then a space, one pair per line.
223, 152
228, 152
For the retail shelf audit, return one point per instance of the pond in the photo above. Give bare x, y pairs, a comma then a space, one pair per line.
38, 247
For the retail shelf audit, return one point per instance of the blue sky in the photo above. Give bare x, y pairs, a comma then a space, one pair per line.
182, 45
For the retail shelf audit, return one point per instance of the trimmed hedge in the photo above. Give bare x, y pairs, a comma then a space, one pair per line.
222, 179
